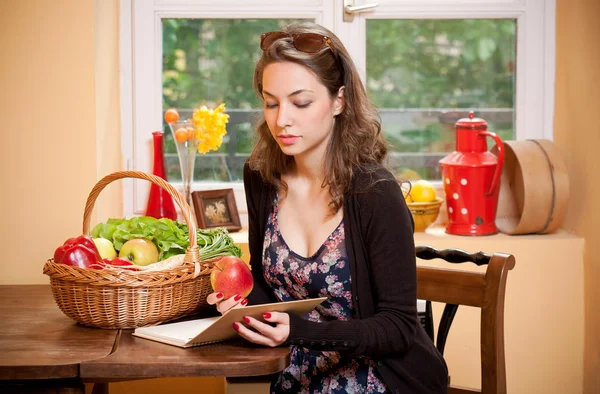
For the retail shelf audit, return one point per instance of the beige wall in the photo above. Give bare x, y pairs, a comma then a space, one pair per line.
60, 115
48, 112
60, 118
543, 328
577, 133
108, 112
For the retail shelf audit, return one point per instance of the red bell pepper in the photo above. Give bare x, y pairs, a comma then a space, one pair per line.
78, 252
120, 262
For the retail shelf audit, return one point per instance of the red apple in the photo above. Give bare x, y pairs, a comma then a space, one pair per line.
231, 276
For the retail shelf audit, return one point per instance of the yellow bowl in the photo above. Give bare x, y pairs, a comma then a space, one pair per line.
424, 213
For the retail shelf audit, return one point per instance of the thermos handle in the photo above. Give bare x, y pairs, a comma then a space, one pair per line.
496, 178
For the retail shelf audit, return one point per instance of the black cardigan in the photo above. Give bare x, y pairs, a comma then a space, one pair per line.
380, 247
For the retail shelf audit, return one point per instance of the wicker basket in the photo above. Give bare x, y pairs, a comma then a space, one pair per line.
115, 298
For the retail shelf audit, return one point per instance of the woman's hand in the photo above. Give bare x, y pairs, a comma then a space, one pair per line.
265, 334
223, 305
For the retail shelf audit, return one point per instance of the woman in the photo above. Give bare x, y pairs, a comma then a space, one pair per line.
326, 219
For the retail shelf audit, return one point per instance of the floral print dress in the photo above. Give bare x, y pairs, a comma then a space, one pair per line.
325, 274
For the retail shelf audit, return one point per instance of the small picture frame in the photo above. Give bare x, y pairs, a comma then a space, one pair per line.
216, 208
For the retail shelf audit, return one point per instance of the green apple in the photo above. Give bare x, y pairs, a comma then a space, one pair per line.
139, 251
105, 247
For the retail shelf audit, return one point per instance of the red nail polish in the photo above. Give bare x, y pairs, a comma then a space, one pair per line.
267, 315
246, 319
244, 301
236, 326
237, 297
219, 295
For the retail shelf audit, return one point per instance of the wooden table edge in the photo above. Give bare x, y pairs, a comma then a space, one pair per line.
38, 372
113, 368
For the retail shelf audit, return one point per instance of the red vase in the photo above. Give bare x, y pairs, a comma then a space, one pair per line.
160, 202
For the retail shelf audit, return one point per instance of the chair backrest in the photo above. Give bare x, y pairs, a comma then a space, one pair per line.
476, 289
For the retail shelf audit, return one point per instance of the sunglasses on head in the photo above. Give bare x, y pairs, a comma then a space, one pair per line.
304, 42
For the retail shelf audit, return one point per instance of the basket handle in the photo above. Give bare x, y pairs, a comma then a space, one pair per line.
192, 253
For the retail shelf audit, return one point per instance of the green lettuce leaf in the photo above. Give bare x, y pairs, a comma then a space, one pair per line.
170, 237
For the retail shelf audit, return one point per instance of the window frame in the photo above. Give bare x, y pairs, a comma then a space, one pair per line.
141, 45
536, 48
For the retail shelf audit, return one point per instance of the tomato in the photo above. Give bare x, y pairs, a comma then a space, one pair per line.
171, 115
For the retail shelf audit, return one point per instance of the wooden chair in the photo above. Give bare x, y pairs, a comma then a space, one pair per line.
481, 290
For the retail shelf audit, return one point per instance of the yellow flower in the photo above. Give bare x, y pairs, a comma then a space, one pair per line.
209, 125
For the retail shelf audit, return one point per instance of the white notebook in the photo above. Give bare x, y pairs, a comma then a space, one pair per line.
219, 328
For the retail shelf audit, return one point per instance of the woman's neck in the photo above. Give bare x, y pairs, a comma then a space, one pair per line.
313, 173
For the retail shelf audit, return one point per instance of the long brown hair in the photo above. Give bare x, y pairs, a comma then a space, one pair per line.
357, 140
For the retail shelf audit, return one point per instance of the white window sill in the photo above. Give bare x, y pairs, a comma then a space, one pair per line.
439, 233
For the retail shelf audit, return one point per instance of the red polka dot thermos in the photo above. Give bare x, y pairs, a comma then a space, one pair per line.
471, 177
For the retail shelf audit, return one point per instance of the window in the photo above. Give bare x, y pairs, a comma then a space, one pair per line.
429, 74
206, 61
425, 64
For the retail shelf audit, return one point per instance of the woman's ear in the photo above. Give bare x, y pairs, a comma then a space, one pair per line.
339, 102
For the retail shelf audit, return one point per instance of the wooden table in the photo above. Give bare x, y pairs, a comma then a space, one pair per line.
137, 358
42, 348
38, 342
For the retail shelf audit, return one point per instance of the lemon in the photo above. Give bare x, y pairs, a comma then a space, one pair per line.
422, 191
